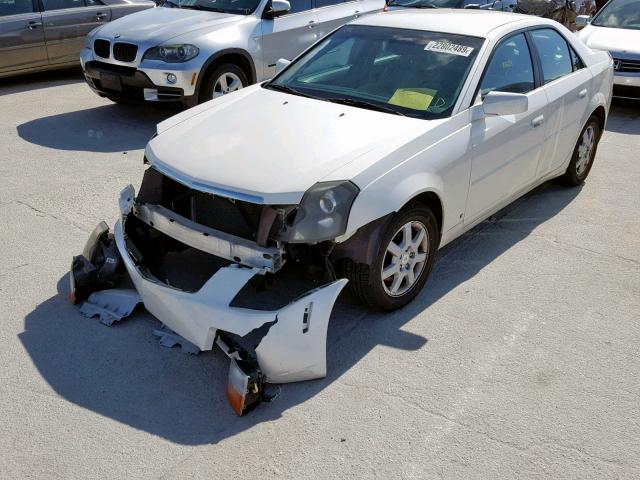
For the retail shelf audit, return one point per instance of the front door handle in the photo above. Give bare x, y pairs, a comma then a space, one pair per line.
356, 13
32, 25
312, 23
101, 16
583, 93
536, 122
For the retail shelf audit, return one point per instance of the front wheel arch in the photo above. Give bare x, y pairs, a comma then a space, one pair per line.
235, 56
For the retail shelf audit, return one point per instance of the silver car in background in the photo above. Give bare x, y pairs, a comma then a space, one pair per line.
46, 34
191, 51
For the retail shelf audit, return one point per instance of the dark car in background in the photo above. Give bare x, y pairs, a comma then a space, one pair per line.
46, 34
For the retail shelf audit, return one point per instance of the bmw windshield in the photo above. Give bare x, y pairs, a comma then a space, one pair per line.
619, 14
405, 72
239, 7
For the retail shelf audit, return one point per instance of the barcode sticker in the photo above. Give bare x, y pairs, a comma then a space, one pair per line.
448, 47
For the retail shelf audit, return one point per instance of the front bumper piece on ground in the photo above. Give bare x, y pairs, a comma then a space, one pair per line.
287, 345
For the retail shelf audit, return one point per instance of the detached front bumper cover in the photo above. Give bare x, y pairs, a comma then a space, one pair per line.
288, 345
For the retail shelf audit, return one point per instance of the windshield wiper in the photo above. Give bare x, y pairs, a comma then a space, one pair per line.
288, 89
363, 104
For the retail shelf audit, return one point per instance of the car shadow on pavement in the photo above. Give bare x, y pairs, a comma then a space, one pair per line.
34, 81
122, 373
624, 116
108, 128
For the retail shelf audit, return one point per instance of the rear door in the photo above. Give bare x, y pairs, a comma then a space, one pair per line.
288, 35
567, 85
21, 36
66, 24
335, 13
506, 149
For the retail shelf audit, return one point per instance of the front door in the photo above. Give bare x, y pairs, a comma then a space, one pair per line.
335, 13
288, 35
506, 149
21, 36
66, 25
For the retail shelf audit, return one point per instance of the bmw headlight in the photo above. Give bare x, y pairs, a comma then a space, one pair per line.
172, 53
323, 212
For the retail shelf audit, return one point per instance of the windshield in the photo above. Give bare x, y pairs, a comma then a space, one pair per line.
619, 14
406, 72
426, 3
239, 7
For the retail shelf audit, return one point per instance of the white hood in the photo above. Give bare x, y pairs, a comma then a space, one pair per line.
163, 24
621, 40
270, 147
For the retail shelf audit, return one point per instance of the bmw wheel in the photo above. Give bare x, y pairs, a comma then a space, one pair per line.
222, 80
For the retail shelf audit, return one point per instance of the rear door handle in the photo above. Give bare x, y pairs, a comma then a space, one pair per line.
101, 15
536, 122
312, 23
356, 13
583, 93
32, 25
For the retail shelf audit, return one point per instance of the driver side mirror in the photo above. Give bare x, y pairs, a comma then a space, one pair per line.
281, 64
505, 103
278, 8
582, 21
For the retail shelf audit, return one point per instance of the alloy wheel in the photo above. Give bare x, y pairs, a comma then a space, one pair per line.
405, 258
226, 83
585, 150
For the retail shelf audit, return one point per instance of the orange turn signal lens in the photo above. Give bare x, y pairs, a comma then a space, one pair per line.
244, 387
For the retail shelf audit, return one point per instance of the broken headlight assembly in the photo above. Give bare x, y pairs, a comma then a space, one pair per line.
322, 214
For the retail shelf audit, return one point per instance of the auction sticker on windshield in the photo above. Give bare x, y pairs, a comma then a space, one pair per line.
448, 47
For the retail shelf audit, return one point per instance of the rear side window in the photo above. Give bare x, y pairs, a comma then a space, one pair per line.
15, 7
554, 54
327, 3
510, 68
299, 6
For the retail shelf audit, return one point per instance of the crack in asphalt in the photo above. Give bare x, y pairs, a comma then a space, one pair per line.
42, 213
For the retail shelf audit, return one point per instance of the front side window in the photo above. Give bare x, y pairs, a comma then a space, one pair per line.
554, 54
619, 14
299, 6
327, 3
510, 68
407, 72
61, 4
15, 7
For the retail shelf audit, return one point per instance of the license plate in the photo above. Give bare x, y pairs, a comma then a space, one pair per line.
110, 81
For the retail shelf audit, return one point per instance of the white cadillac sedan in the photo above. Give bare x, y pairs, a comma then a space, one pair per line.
383, 142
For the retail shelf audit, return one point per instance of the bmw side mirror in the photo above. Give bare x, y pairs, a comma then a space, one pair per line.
278, 8
282, 64
582, 21
505, 103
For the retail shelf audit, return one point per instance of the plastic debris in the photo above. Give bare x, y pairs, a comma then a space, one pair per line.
110, 305
169, 339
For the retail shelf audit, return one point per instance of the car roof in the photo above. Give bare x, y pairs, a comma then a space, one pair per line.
476, 23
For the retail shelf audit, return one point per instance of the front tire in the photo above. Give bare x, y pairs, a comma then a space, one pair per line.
224, 79
583, 154
406, 253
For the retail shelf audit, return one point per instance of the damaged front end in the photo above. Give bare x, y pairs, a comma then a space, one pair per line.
193, 256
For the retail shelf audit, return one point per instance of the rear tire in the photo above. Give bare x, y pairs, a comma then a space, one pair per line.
405, 257
223, 79
583, 154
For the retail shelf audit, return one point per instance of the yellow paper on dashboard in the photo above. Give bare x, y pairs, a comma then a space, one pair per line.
414, 98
